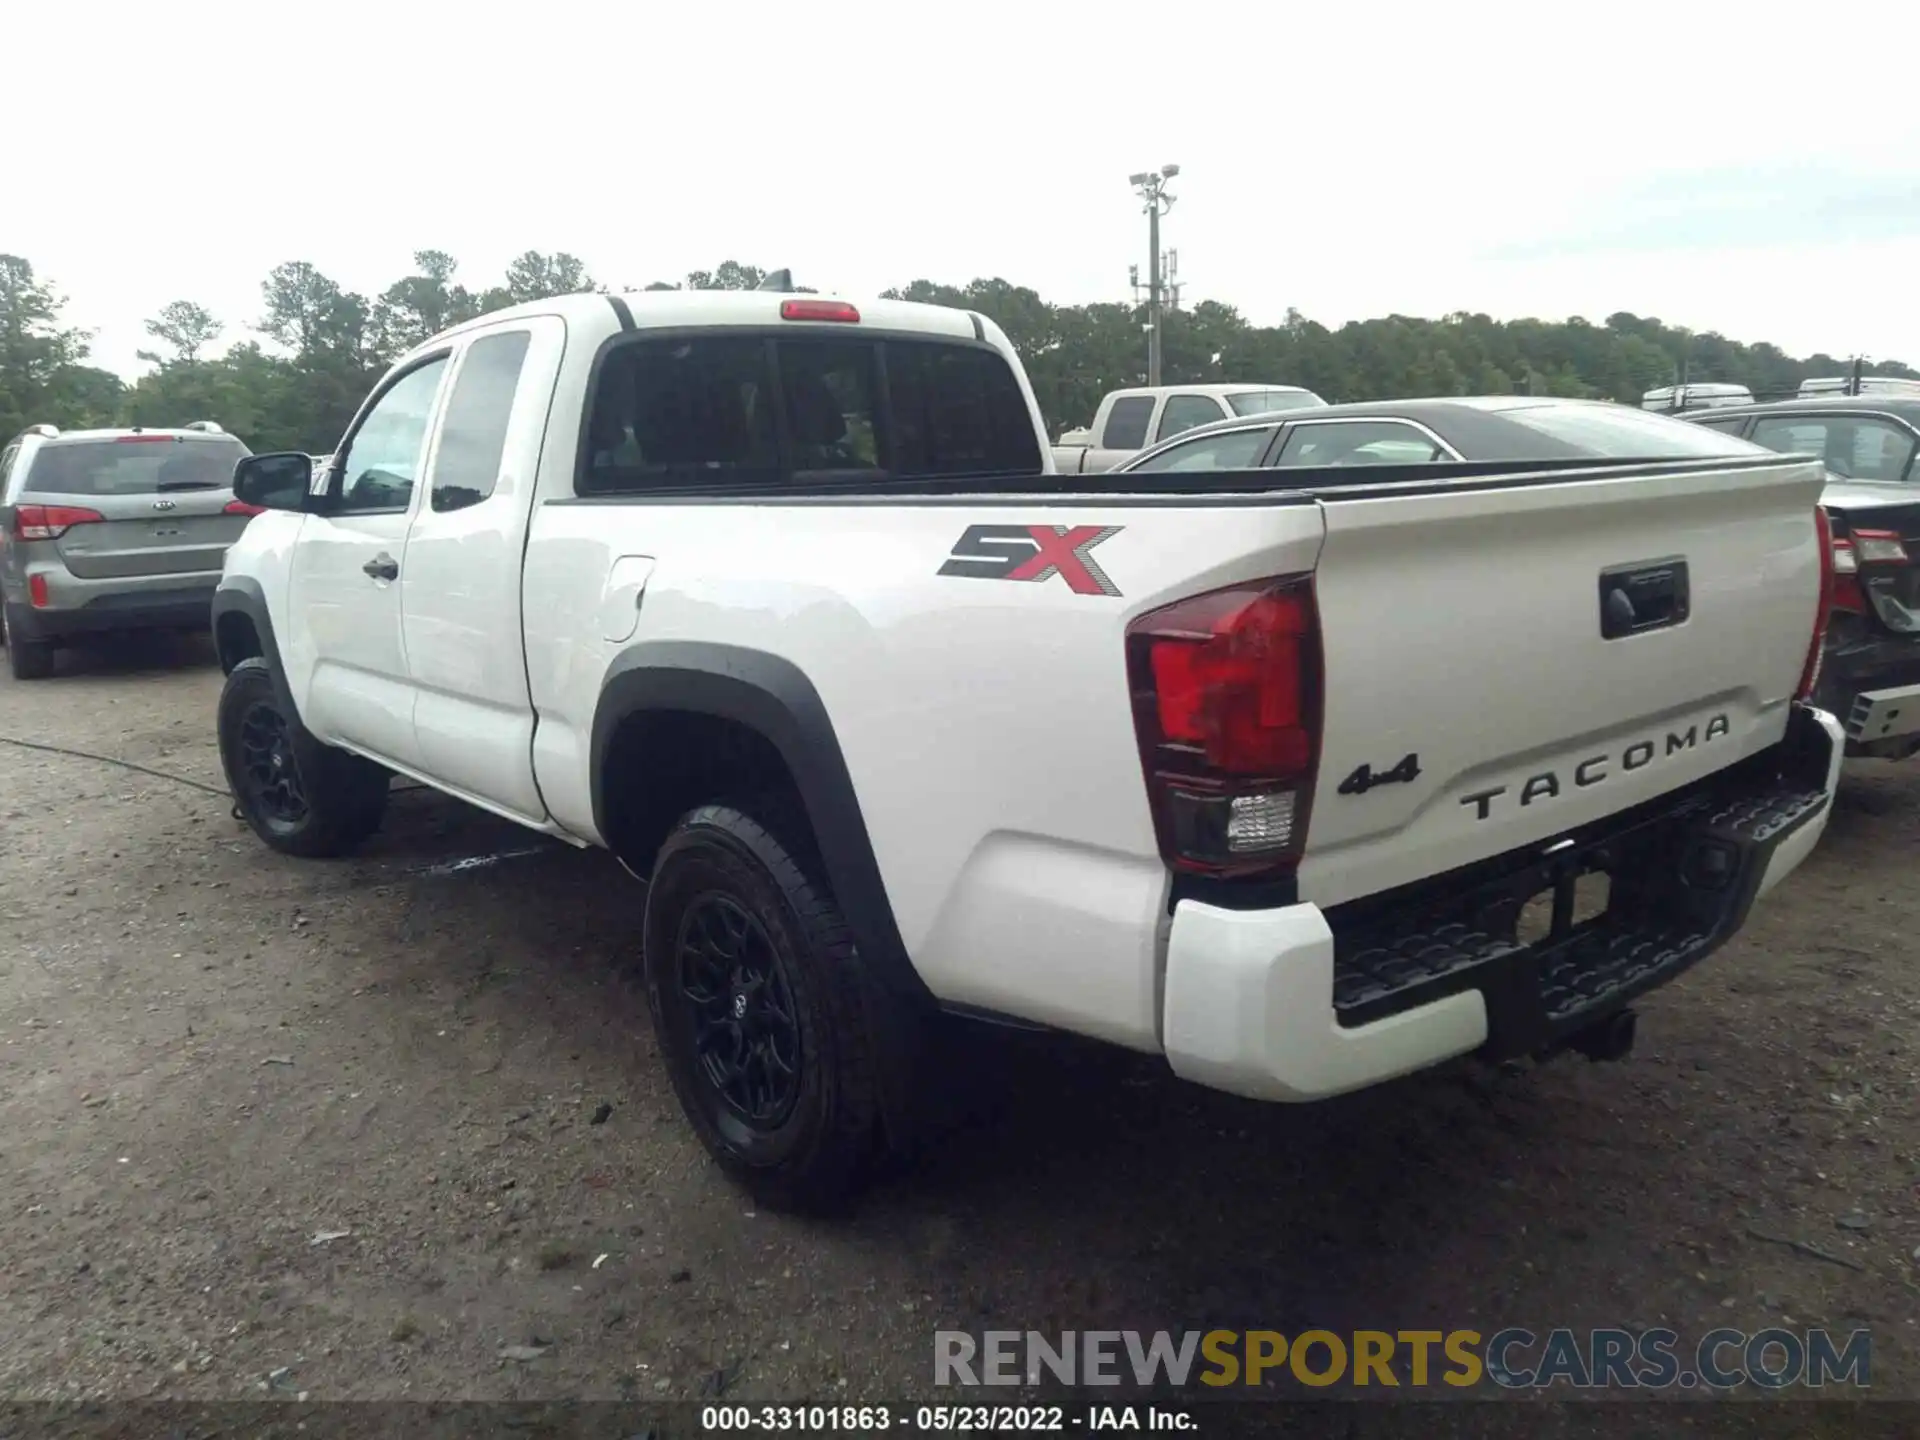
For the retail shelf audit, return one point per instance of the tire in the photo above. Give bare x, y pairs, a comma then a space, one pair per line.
26, 659
299, 796
728, 893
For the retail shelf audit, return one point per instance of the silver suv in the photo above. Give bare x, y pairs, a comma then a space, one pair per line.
107, 531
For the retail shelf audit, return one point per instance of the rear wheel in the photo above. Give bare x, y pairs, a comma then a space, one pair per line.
757, 1006
27, 659
300, 796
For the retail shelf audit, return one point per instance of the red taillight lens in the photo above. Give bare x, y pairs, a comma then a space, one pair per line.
1829, 553
50, 522
819, 310
1226, 706
241, 507
143, 439
37, 591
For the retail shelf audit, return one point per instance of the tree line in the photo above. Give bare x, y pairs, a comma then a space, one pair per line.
293, 376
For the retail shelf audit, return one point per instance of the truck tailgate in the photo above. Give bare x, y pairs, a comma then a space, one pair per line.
1480, 626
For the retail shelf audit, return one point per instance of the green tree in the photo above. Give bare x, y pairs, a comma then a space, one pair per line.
186, 328
36, 354
534, 276
421, 305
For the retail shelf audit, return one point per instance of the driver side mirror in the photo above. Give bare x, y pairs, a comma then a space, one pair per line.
281, 481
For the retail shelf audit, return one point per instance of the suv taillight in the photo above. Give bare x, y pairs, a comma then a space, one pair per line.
1226, 704
1829, 558
50, 522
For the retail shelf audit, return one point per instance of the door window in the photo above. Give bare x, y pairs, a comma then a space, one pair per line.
381, 461
1854, 447
1127, 423
1234, 450
1359, 442
473, 437
1183, 412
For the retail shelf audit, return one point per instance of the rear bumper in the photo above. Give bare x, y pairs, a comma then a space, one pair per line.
177, 607
1874, 689
1297, 1003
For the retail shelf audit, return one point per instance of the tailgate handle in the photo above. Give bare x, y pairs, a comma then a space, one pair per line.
1649, 595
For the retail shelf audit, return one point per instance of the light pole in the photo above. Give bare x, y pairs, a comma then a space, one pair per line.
1152, 188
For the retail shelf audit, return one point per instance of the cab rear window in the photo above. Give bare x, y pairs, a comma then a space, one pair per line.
132, 465
718, 411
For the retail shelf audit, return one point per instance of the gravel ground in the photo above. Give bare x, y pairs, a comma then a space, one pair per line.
352, 1129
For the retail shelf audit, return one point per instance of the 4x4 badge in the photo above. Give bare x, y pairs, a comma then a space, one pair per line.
1033, 552
163, 504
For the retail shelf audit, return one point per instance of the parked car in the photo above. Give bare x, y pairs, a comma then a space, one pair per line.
1128, 421
1422, 432
1870, 677
108, 531
777, 598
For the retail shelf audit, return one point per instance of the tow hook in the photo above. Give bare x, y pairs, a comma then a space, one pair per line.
1609, 1039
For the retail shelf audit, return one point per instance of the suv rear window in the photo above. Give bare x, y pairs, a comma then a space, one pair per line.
133, 465
720, 410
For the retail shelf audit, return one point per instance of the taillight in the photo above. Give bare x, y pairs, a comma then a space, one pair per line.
1857, 548
37, 591
143, 439
1829, 565
50, 522
241, 507
819, 310
1226, 692
1878, 547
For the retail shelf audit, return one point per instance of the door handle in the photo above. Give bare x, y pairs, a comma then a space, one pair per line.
383, 567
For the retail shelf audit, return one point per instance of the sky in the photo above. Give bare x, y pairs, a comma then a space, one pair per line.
1693, 163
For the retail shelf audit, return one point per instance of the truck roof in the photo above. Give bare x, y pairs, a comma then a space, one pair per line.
672, 309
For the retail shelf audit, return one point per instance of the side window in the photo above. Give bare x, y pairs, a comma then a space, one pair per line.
1879, 450
674, 412
473, 437
1127, 423
1358, 442
382, 459
1183, 412
6, 469
1235, 450
1731, 426
828, 388
1854, 448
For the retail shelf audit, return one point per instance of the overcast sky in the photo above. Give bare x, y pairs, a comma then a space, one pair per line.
1692, 162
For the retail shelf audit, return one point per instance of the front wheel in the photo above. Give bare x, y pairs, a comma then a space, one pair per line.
756, 1001
300, 796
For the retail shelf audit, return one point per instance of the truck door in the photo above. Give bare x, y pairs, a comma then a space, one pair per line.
344, 653
461, 615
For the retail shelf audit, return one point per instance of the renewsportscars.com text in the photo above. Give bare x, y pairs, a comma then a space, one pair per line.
1512, 1358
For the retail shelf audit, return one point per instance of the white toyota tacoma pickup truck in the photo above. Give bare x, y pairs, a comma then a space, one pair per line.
778, 598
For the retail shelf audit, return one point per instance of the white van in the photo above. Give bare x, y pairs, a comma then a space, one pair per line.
1869, 385
1670, 398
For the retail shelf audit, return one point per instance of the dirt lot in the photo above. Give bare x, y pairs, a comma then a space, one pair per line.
214, 1059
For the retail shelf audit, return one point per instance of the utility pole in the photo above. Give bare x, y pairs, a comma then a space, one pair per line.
1152, 189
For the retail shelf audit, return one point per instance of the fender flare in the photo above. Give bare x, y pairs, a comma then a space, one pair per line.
243, 595
772, 696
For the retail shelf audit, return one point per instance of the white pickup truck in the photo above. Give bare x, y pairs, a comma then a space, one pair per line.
776, 597
1129, 421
